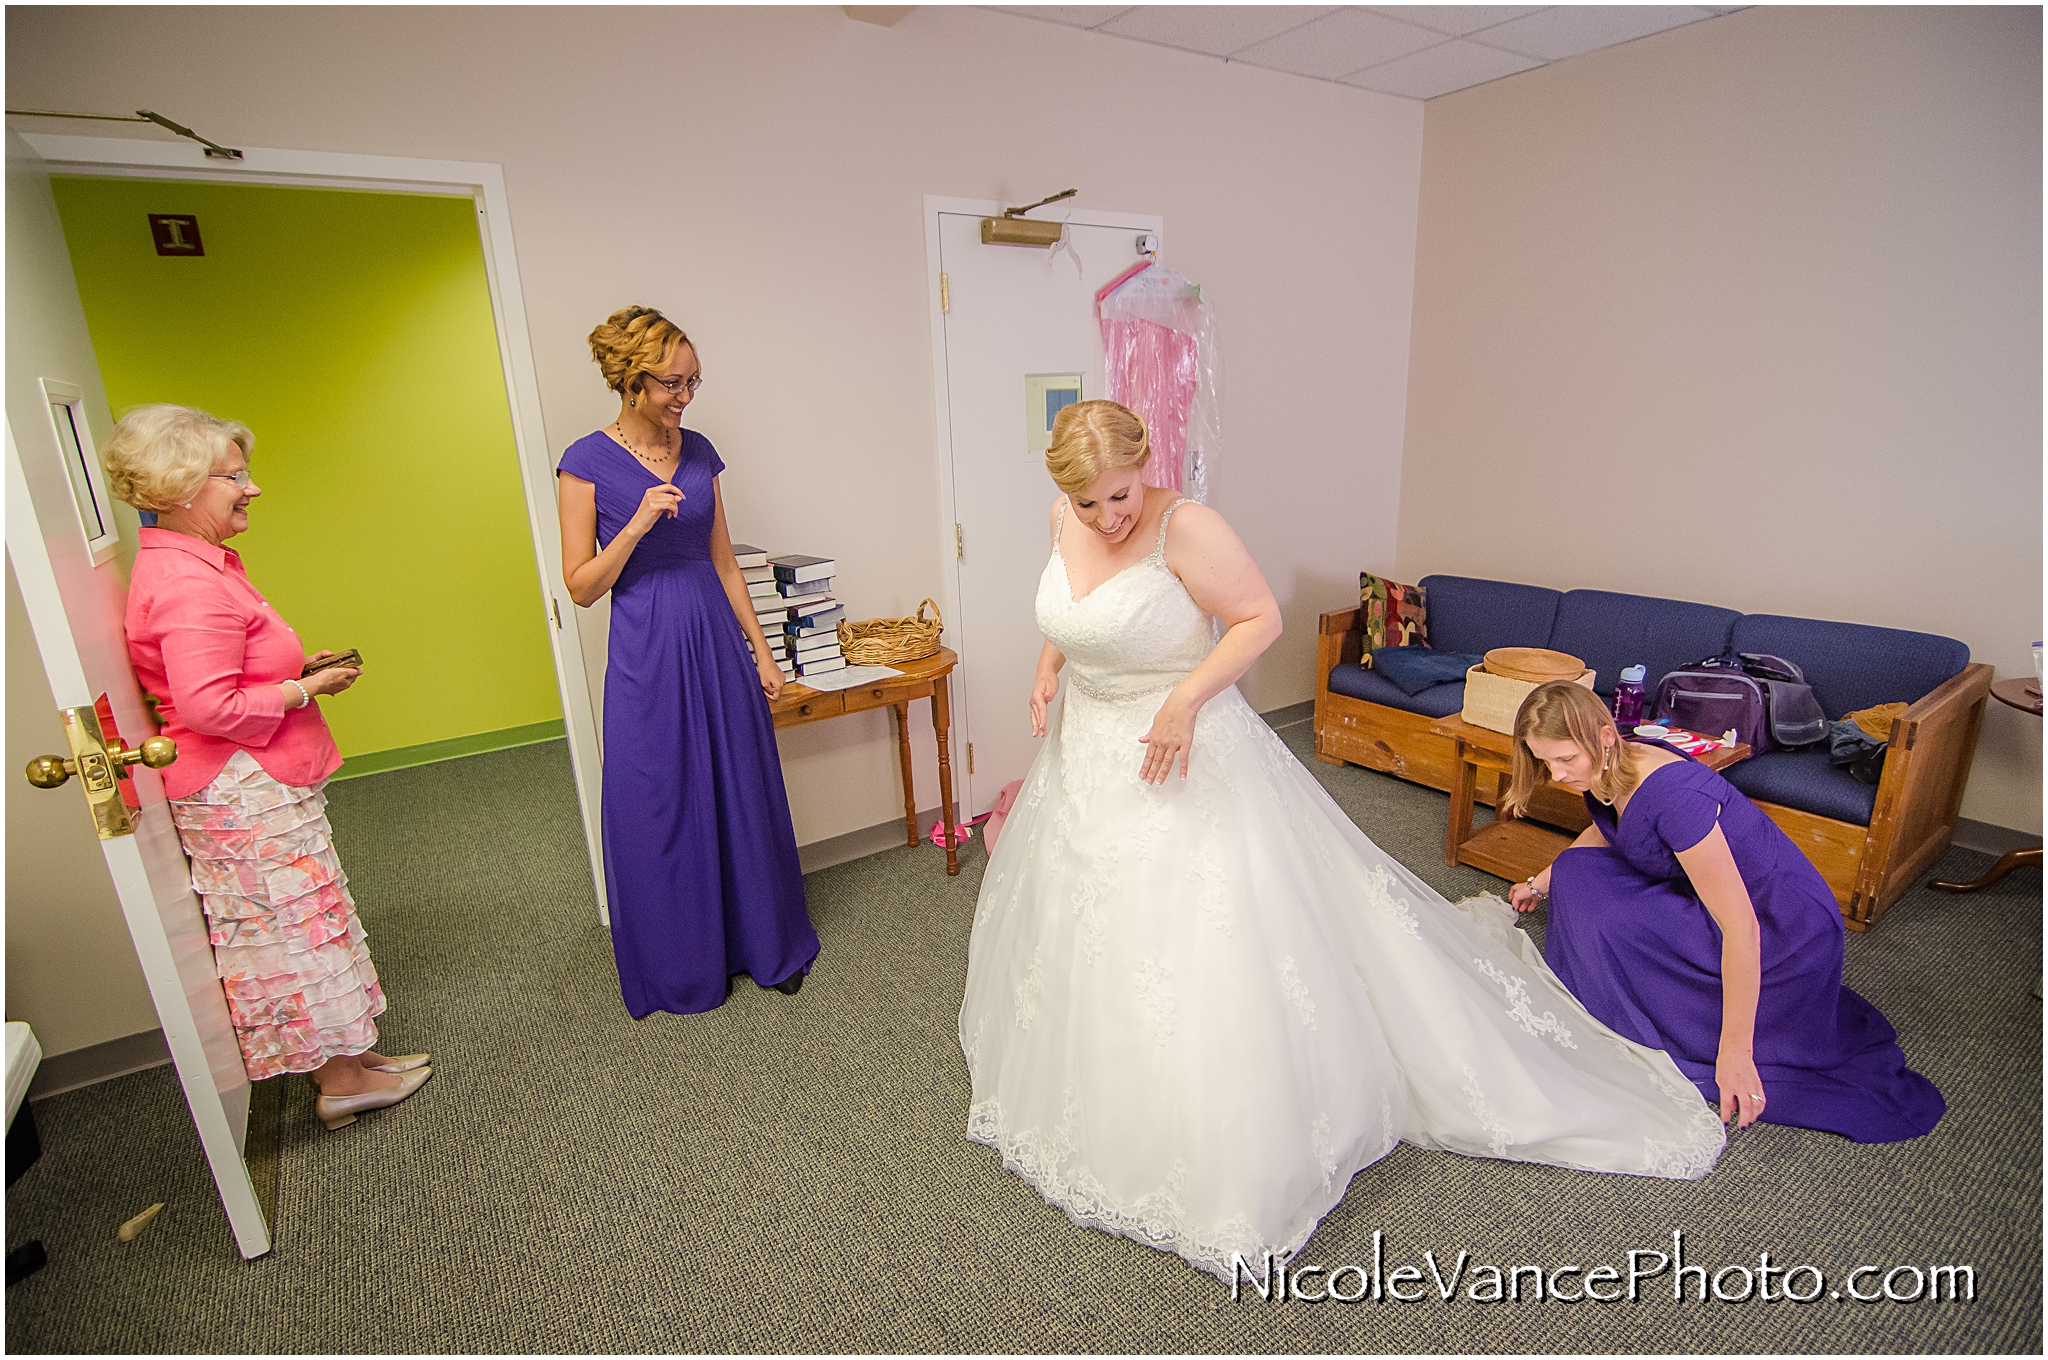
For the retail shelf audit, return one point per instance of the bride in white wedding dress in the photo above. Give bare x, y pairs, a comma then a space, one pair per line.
1199, 999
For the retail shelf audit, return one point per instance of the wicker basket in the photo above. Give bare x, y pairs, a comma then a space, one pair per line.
885, 642
1491, 701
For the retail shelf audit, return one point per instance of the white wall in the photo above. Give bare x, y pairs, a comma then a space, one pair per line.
1749, 313
759, 174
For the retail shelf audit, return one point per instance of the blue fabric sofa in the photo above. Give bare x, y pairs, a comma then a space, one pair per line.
1869, 842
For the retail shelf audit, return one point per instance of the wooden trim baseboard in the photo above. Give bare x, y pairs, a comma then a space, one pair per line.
454, 748
1988, 839
61, 1072
1290, 714
868, 840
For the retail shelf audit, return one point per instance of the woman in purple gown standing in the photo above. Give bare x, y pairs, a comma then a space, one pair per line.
699, 857
1684, 919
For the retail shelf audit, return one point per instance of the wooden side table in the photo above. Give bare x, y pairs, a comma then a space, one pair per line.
2024, 695
1510, 847
925, 679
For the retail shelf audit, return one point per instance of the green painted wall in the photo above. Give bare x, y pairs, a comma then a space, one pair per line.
352, 332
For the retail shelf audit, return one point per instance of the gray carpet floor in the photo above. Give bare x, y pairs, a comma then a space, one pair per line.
789, 1173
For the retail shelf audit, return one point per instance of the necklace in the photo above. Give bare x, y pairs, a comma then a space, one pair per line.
619, 429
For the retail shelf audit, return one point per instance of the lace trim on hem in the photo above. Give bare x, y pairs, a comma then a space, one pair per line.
1155, 1221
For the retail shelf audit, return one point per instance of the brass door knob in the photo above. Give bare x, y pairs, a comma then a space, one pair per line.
51, 772
155, 752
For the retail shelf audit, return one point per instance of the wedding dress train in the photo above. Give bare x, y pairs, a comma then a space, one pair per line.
1195, 1010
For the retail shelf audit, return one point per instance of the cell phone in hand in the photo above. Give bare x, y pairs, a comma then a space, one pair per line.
351, 657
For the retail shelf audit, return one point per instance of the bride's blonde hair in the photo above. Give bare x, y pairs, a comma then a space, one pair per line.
1090, 438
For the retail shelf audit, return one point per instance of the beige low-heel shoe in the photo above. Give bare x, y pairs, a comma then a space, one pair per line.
340, 1111
405, 1062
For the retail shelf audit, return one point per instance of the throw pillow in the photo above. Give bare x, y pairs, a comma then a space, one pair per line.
1394, 615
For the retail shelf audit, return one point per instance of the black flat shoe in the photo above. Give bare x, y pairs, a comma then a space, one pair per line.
790, 985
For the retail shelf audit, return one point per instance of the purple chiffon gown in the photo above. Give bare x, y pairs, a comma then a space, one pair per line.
1629, 937
699, 856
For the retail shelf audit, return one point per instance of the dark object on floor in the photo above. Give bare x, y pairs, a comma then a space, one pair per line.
790, 985
23, 1144
24, 1261
2027, 857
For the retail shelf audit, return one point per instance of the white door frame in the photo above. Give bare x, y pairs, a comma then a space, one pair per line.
936, 206
484, 182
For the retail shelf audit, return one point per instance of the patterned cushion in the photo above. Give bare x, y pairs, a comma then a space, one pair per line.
1394, 615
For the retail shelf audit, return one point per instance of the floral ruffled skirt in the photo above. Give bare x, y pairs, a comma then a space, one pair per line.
286, 942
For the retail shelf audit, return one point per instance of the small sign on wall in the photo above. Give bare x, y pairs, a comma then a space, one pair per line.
176, 234
1045, 396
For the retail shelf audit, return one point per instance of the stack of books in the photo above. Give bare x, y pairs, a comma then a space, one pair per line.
811, 628
771, 610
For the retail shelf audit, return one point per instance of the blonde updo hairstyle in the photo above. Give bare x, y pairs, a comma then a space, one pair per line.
633, 342
161, 455
1565, 711
1090, 438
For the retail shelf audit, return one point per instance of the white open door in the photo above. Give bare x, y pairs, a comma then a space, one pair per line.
60, 536
486, 184
1007, 314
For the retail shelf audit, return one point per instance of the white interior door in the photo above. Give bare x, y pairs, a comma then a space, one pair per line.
579, 662
74, 591
1010, 312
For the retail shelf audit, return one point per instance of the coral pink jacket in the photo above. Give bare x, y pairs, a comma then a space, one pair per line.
213, 651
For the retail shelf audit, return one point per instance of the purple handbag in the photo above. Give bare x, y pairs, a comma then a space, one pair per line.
1711, 700
1765, 699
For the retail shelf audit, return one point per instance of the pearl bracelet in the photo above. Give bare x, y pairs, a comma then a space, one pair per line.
305, 697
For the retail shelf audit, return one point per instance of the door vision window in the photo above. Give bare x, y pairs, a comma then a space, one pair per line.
82, 468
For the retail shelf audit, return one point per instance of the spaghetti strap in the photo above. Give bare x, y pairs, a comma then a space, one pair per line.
1159, 548
1059, 524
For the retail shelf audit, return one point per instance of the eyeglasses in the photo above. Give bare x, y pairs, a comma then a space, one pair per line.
240, 479
675, 385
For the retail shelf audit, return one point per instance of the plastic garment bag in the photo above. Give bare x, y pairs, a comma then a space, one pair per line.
1159, 346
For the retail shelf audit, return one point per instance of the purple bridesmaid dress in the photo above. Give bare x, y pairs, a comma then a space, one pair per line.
1629, 937
699, 856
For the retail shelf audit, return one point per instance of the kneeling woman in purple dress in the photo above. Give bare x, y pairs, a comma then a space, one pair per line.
699, 856
1684, 919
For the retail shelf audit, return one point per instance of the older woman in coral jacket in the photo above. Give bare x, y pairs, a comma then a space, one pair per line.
253, 756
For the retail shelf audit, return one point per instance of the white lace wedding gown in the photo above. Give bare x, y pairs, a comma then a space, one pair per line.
1195, 1010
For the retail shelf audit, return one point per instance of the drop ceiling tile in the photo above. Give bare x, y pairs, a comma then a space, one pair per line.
1439, 70
1077, 16
1454, 20
1568, 30
1219, 30
1338, 44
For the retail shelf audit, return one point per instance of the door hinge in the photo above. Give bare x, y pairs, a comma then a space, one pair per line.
970, 757
945, 296
959, 542
556, 606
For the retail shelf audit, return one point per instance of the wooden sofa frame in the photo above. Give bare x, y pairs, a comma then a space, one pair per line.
1919, 795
